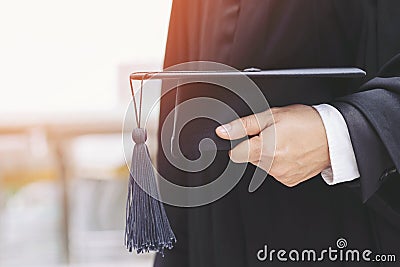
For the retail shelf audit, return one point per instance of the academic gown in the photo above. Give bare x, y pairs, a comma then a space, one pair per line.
280, 34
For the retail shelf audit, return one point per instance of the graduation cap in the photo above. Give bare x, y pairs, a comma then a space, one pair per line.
147, 226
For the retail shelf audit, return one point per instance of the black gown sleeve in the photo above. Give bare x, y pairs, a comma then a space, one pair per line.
373, 119
373, 114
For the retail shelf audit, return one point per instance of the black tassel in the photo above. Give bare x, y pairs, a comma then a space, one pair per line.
147, 227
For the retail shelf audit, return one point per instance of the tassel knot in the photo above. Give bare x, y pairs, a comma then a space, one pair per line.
139, 135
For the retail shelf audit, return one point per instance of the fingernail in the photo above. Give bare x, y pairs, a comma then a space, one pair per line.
224, 128
231, 157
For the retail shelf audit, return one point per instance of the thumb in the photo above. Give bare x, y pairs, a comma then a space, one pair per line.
250, 125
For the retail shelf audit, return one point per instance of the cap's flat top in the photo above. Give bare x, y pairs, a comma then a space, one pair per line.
252, 72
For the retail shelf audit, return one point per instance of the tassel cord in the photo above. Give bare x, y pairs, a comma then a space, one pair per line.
137, 108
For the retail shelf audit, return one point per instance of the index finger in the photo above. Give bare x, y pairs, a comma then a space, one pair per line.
249, 125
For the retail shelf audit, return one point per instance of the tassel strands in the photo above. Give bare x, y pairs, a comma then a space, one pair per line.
147, 227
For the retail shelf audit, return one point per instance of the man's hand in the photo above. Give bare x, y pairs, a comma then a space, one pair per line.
297, 146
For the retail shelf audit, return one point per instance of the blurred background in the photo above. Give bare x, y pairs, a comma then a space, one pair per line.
64, 91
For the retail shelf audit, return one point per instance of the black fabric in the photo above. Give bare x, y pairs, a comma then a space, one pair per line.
292, 34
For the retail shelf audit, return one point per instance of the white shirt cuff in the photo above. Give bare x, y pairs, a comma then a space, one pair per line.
343, 161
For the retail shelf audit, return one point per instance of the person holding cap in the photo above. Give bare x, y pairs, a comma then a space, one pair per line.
336, 152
